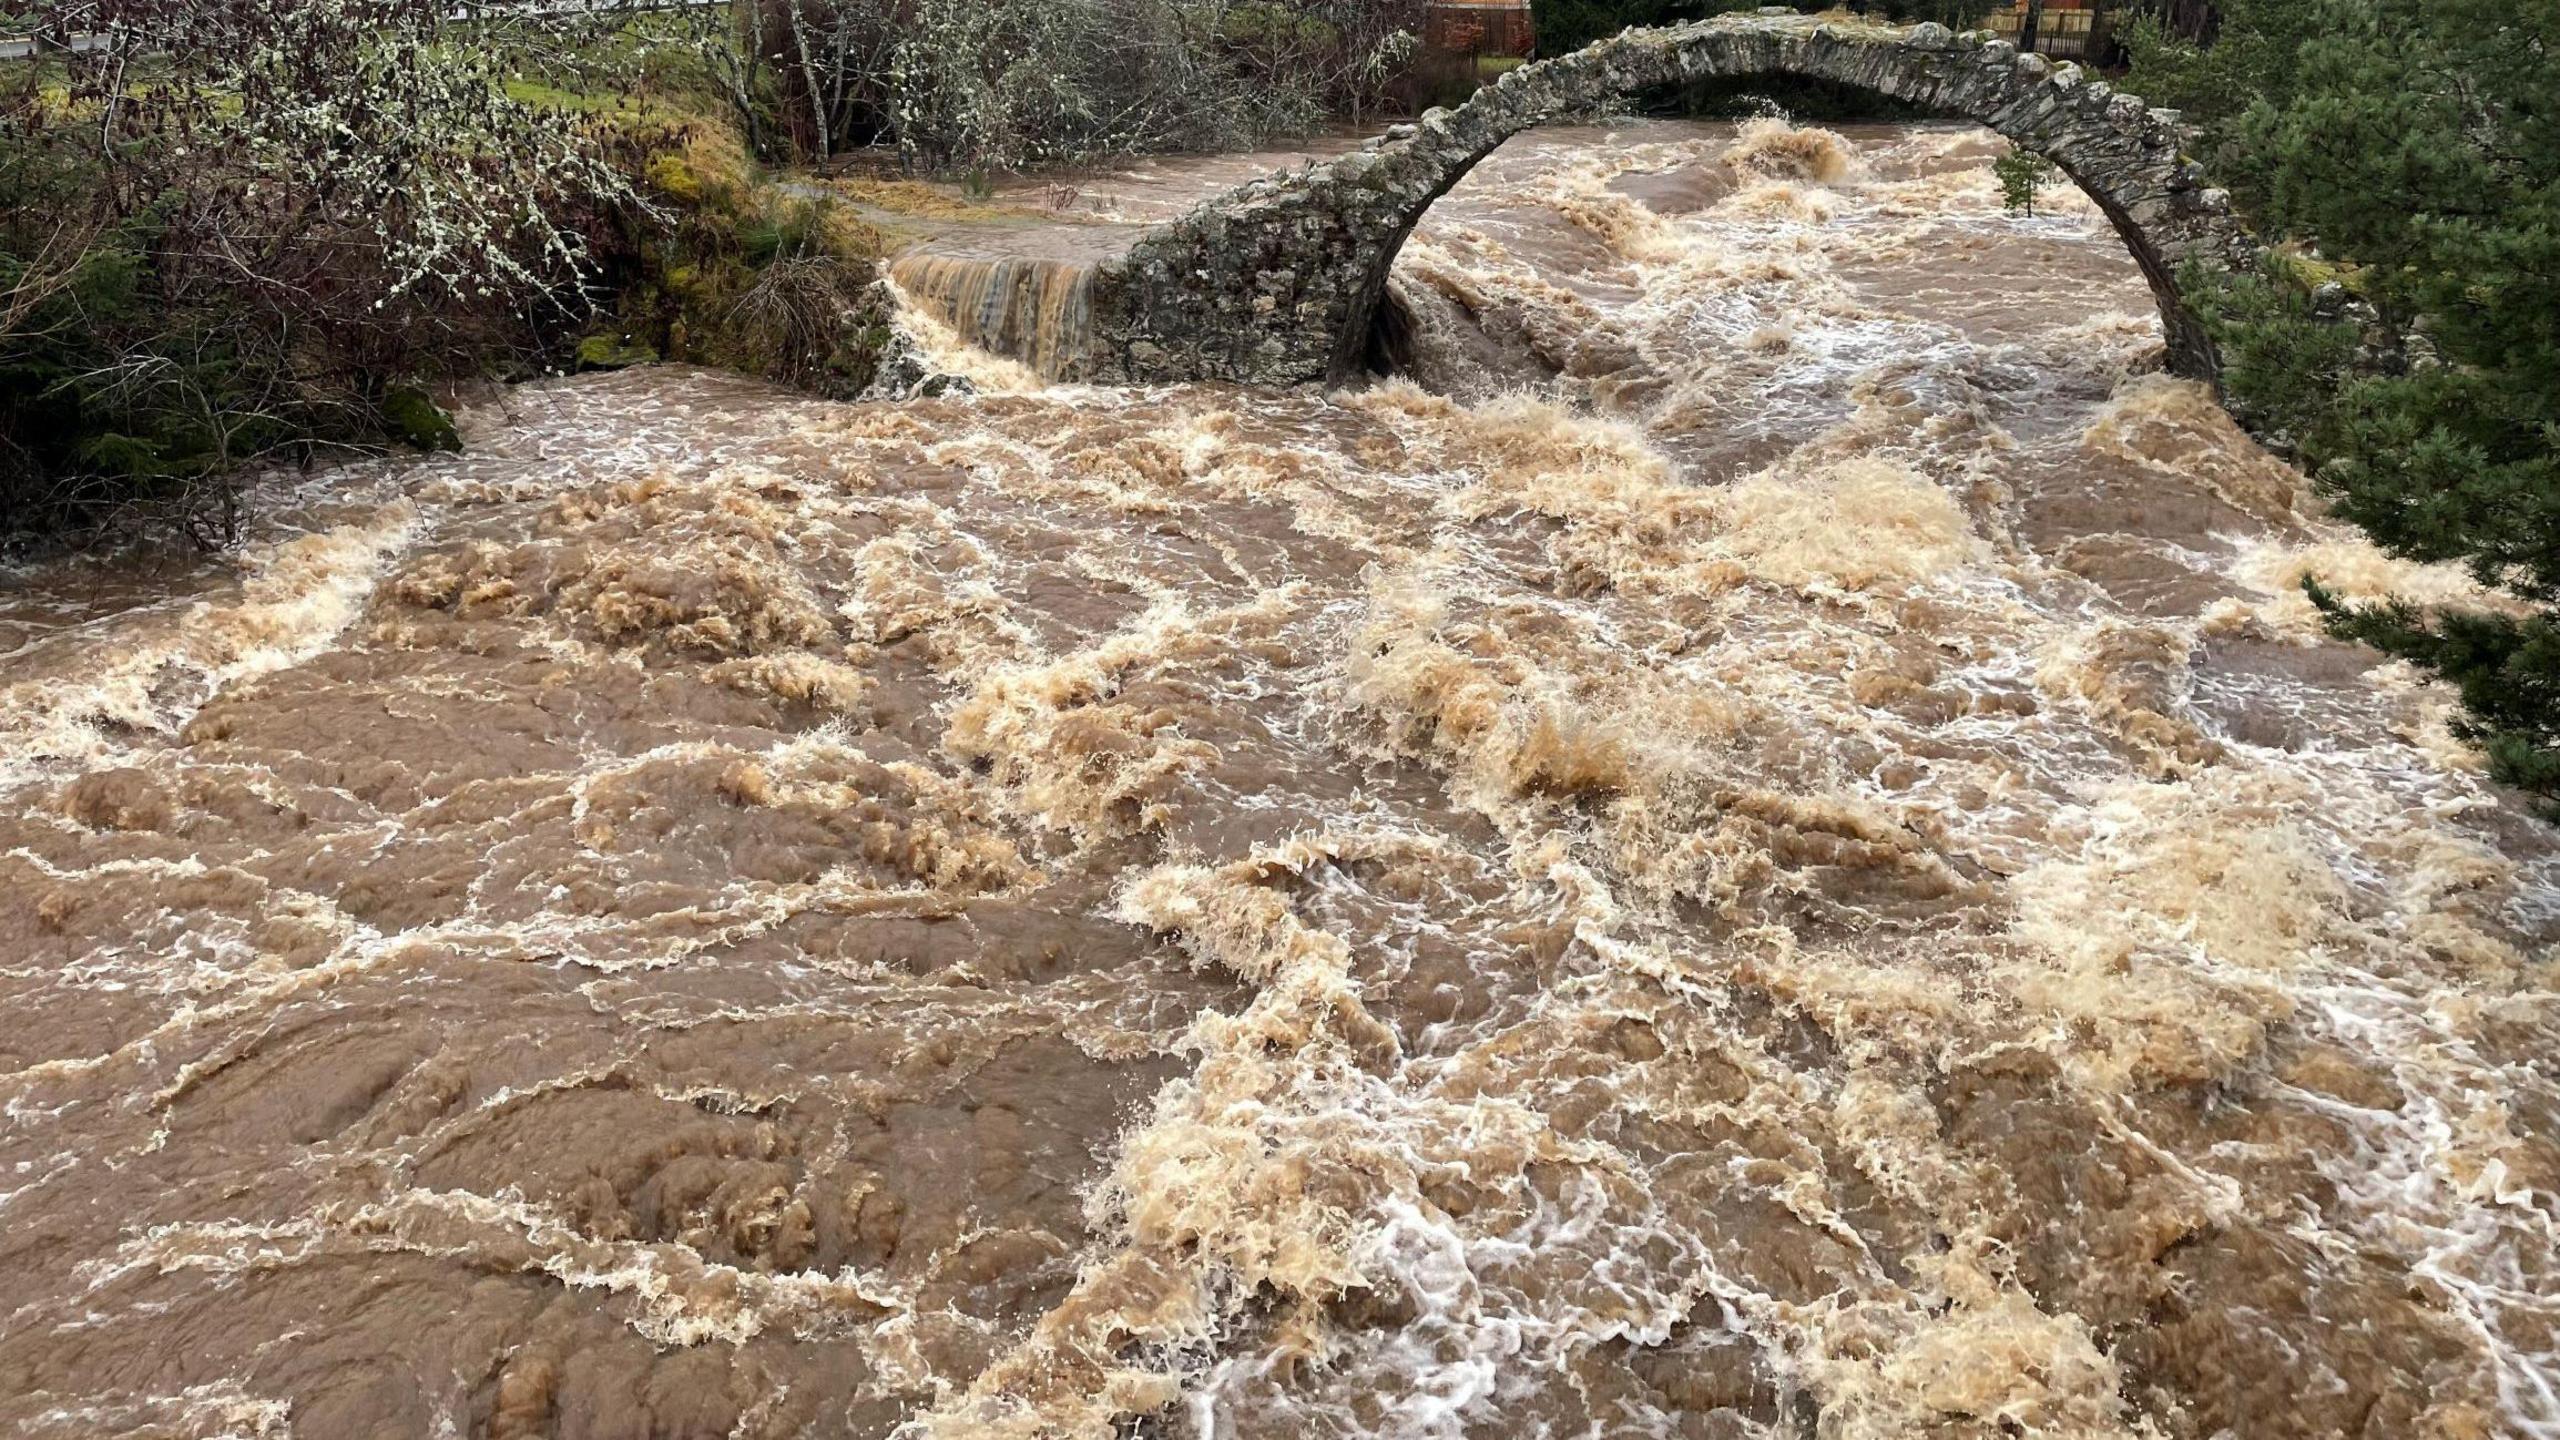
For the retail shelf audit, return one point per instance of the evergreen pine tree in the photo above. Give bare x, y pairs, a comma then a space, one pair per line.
2416, 145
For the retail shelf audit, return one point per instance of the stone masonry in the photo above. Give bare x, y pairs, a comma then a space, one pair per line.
1278, 281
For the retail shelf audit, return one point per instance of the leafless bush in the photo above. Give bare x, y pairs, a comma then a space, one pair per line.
226, 227
350, 162
981, 84
800, 314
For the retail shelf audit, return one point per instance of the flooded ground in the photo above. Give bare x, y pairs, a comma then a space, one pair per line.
1765, 847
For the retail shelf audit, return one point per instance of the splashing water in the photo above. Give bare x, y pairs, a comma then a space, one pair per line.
1762, 848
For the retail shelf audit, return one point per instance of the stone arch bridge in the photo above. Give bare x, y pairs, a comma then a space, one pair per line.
1280, 280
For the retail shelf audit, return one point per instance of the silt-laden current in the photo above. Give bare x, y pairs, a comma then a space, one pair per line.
1766, 846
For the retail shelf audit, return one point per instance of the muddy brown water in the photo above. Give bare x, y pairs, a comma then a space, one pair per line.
1765, 848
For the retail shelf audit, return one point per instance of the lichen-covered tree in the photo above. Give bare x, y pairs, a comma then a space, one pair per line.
233, 226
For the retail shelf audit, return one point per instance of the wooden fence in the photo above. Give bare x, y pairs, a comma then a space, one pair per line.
2064, 29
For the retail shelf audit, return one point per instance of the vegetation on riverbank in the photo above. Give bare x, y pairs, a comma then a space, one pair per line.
239, 233
249, 234
727, 266
970, 86
2409, 151
259, 232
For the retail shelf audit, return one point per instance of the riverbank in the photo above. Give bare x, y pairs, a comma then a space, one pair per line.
250, 235
137, 388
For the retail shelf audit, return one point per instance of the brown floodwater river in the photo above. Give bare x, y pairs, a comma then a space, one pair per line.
1766, 846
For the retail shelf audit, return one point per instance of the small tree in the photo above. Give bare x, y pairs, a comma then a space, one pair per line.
2023, 174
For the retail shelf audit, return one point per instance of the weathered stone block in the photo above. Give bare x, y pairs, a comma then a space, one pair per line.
1329, 234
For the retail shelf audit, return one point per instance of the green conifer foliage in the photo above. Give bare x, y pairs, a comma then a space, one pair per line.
2415, 146
2023, 175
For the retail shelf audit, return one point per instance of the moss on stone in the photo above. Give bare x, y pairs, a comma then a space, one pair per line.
419, 421
606, 350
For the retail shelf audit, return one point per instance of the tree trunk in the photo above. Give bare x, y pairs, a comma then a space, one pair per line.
820, 134
2199, 20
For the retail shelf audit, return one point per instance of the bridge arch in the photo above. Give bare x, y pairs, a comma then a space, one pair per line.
1280, 280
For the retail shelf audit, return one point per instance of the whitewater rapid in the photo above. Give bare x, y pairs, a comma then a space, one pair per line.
1766, 845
